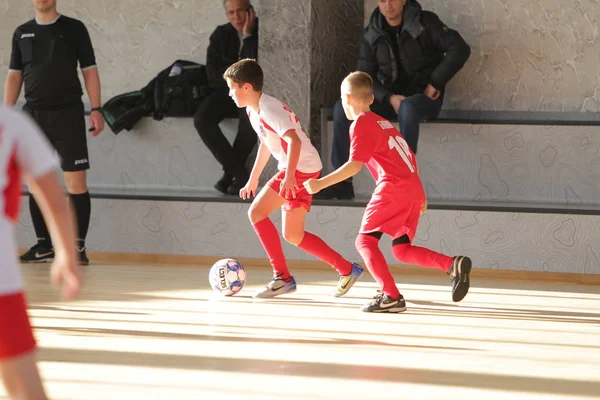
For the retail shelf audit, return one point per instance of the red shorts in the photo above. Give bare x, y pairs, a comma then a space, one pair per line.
303, 198
392, 215
16, 337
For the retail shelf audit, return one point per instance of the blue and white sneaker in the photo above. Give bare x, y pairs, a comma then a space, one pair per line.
276, 287
347, 281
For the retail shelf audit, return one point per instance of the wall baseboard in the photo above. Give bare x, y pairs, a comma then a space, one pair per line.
408, 270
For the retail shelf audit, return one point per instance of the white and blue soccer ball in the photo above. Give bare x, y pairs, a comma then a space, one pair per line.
227, 276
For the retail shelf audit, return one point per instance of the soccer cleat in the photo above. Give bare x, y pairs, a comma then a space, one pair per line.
83, 258
38, 254
459, 273
347, 281
382, 303
276, 287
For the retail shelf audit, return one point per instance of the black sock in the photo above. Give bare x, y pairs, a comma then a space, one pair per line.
39, 225
82, 205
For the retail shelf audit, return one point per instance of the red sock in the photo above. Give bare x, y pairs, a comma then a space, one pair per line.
315, 246
421, 256
368, 247
269, 237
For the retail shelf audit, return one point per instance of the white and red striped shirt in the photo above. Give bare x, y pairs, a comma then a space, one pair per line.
23, 150
271, 122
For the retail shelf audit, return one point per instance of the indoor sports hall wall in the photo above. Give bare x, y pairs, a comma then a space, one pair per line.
494, 240
526, 55
134, 41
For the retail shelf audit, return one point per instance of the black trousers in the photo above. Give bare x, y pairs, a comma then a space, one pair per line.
216, 107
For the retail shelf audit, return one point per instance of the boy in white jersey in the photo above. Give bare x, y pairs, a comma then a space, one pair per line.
282, 136
24, 150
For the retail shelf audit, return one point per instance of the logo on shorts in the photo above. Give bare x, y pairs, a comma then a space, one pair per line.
385, 124
26, 35
263, 133
82, 161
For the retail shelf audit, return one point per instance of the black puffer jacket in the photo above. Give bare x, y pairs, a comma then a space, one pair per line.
429, 52
224, 50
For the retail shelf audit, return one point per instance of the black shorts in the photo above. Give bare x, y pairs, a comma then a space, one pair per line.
66, 130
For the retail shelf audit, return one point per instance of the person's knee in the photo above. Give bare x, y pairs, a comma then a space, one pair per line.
293, 236
365, 242
408, 110
76, 182
256, 213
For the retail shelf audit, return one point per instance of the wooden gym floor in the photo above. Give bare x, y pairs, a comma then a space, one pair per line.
160, 332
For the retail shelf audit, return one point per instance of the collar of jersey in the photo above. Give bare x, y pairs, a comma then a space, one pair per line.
47, 23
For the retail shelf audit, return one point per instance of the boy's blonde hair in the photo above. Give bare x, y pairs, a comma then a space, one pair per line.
360, 85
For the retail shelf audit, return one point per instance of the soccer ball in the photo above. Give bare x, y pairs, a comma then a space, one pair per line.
227, 276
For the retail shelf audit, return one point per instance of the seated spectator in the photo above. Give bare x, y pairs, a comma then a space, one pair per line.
411, 56
229, 43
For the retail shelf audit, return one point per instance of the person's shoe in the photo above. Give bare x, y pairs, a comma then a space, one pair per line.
223, 184
83, 258
347, 281
382, 303
38, 254
276, 287
459, 274
340, 191
236, 186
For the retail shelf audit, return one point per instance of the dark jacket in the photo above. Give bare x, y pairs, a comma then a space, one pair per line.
224, 50
429, 52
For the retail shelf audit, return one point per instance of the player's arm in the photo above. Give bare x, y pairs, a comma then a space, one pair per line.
362, 147
294, 145
14, 78
92, 85
91, 77
349, 169
262, 157
60, 221
12, 87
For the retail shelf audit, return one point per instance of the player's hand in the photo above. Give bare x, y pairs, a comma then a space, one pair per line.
65, 273
396, 100
313, 186
424, 207
432, 92
96, 123
250, 22
289, 187
249, 190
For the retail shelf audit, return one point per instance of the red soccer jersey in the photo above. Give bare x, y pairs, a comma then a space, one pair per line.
376, 142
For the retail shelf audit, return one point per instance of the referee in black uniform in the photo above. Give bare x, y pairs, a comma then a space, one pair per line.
45, 54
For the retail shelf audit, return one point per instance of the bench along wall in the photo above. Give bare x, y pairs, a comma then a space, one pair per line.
534, 55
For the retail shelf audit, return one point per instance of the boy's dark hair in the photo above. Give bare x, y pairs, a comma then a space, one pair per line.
246, 71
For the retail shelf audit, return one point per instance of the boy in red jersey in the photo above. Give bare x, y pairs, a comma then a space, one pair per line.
25, 150
281, 135
397, 201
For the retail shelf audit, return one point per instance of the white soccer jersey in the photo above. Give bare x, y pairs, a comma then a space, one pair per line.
23, 150
271, 122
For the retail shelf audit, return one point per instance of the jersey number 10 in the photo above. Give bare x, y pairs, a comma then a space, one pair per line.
400, 145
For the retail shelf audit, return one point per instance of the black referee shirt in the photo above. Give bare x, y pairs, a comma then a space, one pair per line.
47, 55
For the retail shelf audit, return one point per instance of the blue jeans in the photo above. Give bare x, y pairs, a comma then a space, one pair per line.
412, 110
